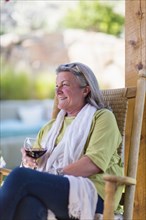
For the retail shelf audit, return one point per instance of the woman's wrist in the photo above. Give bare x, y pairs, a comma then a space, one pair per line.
60, 171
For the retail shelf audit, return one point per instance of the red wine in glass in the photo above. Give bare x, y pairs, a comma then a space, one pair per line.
32, 150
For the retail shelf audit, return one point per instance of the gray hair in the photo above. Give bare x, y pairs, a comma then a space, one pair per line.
85, 77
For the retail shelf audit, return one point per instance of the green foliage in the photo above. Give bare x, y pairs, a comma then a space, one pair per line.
92, 15
44, 86
19, 85
13, 85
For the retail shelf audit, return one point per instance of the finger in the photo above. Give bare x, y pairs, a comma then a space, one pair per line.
25, 157
27, 162
30, 161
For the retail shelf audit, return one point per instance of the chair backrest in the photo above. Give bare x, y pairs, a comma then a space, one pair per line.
117, 99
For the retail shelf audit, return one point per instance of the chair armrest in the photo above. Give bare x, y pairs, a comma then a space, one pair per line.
111, 184
120, 180
4, 171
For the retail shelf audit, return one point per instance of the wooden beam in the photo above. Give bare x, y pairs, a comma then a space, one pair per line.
135, 29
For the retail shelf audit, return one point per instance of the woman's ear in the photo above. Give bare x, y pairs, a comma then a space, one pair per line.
86, 90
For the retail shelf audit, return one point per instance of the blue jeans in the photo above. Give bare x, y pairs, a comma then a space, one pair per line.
28, 194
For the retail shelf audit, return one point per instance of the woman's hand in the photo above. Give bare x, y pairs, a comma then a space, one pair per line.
28, 161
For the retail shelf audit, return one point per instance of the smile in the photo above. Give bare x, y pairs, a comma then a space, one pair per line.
62, 98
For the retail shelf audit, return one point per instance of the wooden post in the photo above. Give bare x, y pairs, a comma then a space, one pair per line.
136, 60
135, 143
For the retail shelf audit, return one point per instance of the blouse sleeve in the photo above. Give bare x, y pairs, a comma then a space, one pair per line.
104, 140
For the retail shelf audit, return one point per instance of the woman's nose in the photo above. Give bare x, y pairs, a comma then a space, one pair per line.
58, 89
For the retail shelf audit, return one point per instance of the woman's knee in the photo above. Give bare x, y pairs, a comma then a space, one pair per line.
17, 176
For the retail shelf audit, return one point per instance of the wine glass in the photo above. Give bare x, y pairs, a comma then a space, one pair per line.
32, 149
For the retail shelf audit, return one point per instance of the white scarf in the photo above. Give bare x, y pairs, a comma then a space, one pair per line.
68, 151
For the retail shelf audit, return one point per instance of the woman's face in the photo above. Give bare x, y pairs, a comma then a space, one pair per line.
71, 97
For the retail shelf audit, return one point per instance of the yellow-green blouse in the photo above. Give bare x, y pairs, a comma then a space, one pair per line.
101, 147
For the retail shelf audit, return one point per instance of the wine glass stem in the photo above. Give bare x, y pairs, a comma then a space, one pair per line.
35, 168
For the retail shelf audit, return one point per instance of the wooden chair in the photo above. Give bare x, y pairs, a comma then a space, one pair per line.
112, 182
118, 100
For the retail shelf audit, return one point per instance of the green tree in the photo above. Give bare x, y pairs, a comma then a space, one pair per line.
92, 15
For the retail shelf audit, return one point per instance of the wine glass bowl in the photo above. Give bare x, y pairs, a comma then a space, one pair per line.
32, 149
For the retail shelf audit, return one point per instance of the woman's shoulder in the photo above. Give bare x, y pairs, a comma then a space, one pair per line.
105, 117
48, 125
104, 113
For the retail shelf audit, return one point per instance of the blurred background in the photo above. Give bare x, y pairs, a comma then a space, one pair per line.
37, 36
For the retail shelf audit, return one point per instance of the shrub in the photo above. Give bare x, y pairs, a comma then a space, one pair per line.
44, 86
14, 85
21, 85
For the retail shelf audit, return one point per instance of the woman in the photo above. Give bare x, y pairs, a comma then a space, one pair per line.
81, 146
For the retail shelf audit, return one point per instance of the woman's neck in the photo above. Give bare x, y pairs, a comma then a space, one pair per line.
74, 112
